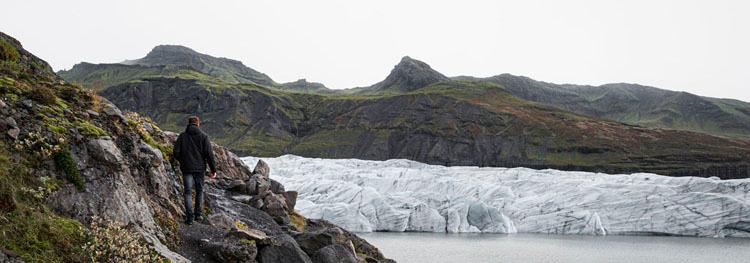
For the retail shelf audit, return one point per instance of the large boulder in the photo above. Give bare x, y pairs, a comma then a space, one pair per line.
275, 206
362, 248
312, 241
336, 253
283, 250
232, 250
105, 150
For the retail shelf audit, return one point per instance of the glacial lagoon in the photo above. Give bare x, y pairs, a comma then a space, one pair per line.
413, 247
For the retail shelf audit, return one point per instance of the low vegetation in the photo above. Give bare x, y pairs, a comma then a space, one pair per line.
111, 242
67, 165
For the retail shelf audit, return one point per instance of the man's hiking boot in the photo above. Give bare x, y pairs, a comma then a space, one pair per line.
188, 220
199, 218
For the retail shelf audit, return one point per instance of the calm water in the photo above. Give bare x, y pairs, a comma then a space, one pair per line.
440, 247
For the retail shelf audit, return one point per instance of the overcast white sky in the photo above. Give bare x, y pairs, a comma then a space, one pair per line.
701, 47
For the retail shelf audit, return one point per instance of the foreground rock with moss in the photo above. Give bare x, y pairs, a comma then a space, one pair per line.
81, 181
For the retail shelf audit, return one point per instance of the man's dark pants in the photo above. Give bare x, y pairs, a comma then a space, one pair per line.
189, 180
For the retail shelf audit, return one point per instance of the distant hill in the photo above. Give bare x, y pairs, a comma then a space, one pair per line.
419, 114
225, 69
180, 62
635, 104
303, 85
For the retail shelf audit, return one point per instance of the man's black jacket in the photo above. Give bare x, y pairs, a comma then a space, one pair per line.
193, 150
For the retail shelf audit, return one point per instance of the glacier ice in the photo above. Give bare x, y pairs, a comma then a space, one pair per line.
403, 195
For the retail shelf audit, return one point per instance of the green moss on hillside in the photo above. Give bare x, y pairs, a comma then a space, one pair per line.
27, 226
65, 162
88, 129
8, 53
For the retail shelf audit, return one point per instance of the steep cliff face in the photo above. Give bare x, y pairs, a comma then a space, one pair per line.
453, 123
81, 181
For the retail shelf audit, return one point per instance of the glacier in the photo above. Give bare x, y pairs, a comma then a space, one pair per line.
404, 195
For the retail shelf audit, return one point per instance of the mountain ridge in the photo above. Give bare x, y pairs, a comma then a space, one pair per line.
420, 114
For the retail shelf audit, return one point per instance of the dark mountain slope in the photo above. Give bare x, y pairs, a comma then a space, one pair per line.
452, 123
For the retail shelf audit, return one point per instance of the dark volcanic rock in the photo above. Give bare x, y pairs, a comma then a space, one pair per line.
284, 250
334, 254
361, 247
312, 241
232, 251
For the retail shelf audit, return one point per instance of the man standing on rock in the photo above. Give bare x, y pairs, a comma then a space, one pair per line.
193, 150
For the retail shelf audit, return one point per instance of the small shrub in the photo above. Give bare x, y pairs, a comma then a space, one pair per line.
6, 82
136, 121
170, 229
37, 145
110, 242
8, 52
65, 162
43, 95
69, 93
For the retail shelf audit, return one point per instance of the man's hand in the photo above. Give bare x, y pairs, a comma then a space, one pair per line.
212, 175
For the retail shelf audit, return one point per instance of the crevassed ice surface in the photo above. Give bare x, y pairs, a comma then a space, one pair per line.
403, 195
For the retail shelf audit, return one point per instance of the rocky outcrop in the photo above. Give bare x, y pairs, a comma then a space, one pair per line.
78, 160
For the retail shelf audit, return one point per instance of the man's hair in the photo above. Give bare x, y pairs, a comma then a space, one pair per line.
194, 120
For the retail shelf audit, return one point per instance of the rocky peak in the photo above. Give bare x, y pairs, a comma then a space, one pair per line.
172, 49
166, 53
409, 74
